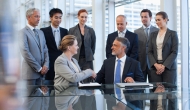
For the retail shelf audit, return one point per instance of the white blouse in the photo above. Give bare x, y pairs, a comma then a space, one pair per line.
159, 43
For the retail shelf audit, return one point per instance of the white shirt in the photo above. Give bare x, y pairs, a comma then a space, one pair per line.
122, 65
159, 43
56, 33
122, 34
31, 27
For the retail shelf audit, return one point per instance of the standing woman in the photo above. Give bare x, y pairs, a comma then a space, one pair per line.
162, 53
86, 41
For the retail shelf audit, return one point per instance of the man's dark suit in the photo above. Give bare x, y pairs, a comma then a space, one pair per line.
106, 74
52, 49
132, 50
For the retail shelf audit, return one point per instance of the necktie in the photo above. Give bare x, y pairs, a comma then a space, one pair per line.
36, 35
146, 32
57, 37
118, 78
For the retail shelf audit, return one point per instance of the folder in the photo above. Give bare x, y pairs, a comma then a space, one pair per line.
136, 84
89, 85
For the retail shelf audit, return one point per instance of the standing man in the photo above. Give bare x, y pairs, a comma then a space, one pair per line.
34, 50
53, 35
143, 37
123, 32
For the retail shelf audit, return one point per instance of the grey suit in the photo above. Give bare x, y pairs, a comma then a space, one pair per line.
143, 48
169, 55
35, 53
65, 72
88, 49
89, 42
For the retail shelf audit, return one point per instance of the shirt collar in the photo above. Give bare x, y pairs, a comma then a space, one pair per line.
31, 27
124, 31
54, 29
122, 58
144, 27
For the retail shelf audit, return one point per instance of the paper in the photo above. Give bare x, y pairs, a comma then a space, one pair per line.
134, 84
89, 84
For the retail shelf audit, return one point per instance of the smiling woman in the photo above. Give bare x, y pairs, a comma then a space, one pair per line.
86, 40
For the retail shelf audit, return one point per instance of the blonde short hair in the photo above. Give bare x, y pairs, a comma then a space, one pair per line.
67, 40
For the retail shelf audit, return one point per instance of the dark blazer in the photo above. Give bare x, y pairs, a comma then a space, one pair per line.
143, 48
106, 74
52, 48
89, 41
169, 49
132, 50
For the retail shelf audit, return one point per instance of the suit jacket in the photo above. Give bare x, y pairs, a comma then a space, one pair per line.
89, 41
169, 49
53, 51
106, 73
35, 54
132, 50
143, 45
65, 72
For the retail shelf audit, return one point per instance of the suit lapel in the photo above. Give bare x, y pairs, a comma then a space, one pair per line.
51, 36
74, 61
143, 34
68, 63
77, 31
126, 68
167, 35
154, 40
33, 35
112, 69
85, 31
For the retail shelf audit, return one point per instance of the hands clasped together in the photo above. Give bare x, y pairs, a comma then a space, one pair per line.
160, 68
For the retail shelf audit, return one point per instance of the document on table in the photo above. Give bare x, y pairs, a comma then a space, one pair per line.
136, 84
89, 85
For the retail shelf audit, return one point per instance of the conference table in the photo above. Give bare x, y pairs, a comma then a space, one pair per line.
160, 96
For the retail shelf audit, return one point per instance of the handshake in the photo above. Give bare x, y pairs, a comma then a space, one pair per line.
93, 73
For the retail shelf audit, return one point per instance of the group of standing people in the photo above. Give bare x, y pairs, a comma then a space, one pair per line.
155, 49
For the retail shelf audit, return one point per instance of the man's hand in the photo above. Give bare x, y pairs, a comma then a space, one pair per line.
44, 70
129, 80
93, 74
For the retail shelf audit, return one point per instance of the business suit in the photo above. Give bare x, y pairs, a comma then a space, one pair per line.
132, 50
35, 54
143, 48
85, 61
65, 72
169, 55
53, 50
106, 73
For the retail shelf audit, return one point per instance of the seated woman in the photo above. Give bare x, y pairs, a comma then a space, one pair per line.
67, 70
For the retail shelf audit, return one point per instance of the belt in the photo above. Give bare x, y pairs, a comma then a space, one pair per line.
160, 61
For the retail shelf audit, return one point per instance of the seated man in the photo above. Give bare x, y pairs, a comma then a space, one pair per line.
121, 68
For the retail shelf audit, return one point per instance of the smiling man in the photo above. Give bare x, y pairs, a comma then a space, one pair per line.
121, 68
143, 37
53, 35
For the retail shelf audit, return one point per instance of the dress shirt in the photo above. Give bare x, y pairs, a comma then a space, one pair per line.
159, 43
122, 65
144, 27
56, 33
31, 27
123, 33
